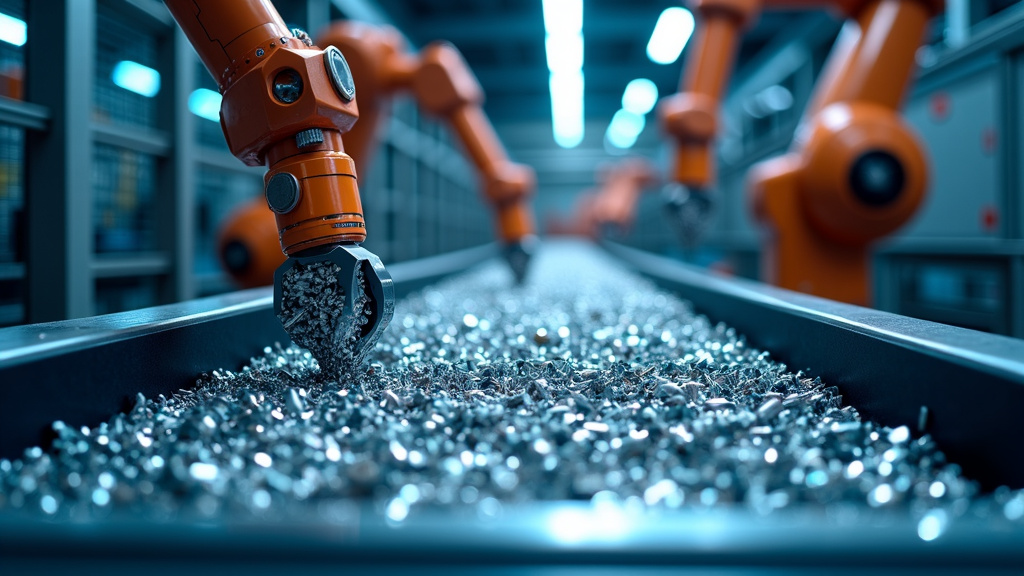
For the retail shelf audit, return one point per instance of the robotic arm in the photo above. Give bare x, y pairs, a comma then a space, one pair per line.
615, 205
444, 86
286, 105
691, 116
855, 172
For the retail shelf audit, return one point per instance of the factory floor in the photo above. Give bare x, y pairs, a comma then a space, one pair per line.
586, 411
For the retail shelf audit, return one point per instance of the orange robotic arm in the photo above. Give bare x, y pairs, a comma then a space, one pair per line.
616, 203
691, 117
855, 173
443, 85
285, 105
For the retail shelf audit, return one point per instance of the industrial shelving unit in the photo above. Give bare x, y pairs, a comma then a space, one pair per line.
110, 200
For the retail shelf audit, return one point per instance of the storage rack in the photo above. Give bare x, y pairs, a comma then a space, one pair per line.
112, 202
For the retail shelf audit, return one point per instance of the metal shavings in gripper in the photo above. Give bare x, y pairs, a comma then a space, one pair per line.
312, 313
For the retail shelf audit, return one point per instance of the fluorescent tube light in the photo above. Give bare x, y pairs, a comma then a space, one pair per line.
563, 17
13, 30
565, 52
673, 30
624, 129
563, 43
567, 108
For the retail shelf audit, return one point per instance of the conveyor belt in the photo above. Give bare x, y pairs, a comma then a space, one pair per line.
969, 385
82, 371
662, 406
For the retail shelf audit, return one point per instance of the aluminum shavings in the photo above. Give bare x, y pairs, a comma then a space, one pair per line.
313, 312
585, 383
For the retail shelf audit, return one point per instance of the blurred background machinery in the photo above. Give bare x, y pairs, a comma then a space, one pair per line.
111, 125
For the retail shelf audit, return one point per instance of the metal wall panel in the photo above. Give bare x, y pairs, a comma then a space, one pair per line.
960, 125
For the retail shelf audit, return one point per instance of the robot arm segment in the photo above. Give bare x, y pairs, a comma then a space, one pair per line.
446, 87
691, 116
856, 171
620, 193
286, 104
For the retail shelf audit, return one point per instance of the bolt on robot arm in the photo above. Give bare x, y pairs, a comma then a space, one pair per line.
285, 105
443, 85
855, 172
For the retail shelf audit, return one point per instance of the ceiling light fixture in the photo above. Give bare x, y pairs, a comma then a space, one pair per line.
640, 96
205, 103
13, 30
624, 129
563, 42
673, 30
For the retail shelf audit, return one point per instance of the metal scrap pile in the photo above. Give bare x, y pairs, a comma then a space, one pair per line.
587, 383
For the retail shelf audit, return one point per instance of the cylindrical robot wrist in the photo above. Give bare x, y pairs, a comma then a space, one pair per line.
515, 221
315, 198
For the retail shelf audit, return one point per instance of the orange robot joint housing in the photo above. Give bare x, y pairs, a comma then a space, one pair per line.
288, 112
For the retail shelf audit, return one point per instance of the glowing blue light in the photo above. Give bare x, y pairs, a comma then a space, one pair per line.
604, 522
563, 25
13, 30
565, 52
624, 129
205, 104
563, 16
567, 108
673, 30
640, 96
932, 525
136, 78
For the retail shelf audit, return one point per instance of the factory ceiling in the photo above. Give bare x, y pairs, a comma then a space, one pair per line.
503, 41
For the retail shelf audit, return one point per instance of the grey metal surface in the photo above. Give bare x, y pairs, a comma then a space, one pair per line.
888, 366
24, 114
965, 282
964, 179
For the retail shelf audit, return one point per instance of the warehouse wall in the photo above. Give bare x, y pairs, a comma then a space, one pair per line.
111, 200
